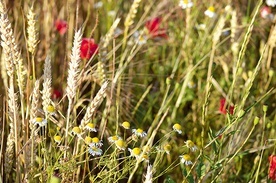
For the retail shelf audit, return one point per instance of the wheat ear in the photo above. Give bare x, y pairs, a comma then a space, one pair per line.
96, 102
149, 174
47, 84
31, 31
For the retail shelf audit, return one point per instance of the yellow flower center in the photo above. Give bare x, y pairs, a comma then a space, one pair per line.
190, 144
76, 130
88, 140
50, 109
126, 125
90, 125
167, 147
136, 151
186, 157
57, 138
177, 126
120, 143
139, 130
211, 8
39, 119
95, 140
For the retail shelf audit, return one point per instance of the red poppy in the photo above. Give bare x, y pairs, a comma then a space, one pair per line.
222, 107
154, 30
272, 167
56, 94
61, 26
88, 48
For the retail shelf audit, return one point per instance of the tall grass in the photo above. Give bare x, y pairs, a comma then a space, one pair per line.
168, 94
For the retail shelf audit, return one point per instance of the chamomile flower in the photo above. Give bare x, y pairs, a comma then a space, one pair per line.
120, 144
96, 142
210, 12
271, 3
139, 38
57, 139
145, 157
90, 127
40, 121
76, 131
191, 145
136, 152
98, 5
95, 151
186, 159
114, 138
126, 125
167, 148
88, 140
185, 4
50, 110
178, 128
139, 132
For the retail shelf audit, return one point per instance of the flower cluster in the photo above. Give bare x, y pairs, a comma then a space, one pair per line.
272, 167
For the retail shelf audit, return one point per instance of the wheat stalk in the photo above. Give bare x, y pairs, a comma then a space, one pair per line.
94, 104
47, 84
31, 31
149, 174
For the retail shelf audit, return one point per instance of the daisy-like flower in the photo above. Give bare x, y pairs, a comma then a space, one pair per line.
111, 13
61, 26
57, 139
272, 167
145, 158
88, 48
185, 4
126, 125
271, 3
223, 107
191, 145
50, 109
167, 148
88, 140
139, 132
201, 27
120, 144
153, 27
96, 142
136, 152
210, 12
90, 127
139, 38
178, 128
40, 121
114, 138
186, 159
76, 131
95, 151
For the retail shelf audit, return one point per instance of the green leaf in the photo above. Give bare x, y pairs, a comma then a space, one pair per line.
200, 168
189, 177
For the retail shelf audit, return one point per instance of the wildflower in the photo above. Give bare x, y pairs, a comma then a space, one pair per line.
271, 3
113, 138
126, 125
222, 107
201, 27
136, 152
61, 26
50, 109
272, 167
191, 145
266, 13
56, 94
90, 127
185, 4
88, 48
76, 131
111, 13
178, 128
96, 142
57, 139
40, 121
139, 132
145, 157
154, 30
186, 159
120, 144
167, 148
210, 12
95, 151
88, 140
139, 38
98, 5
